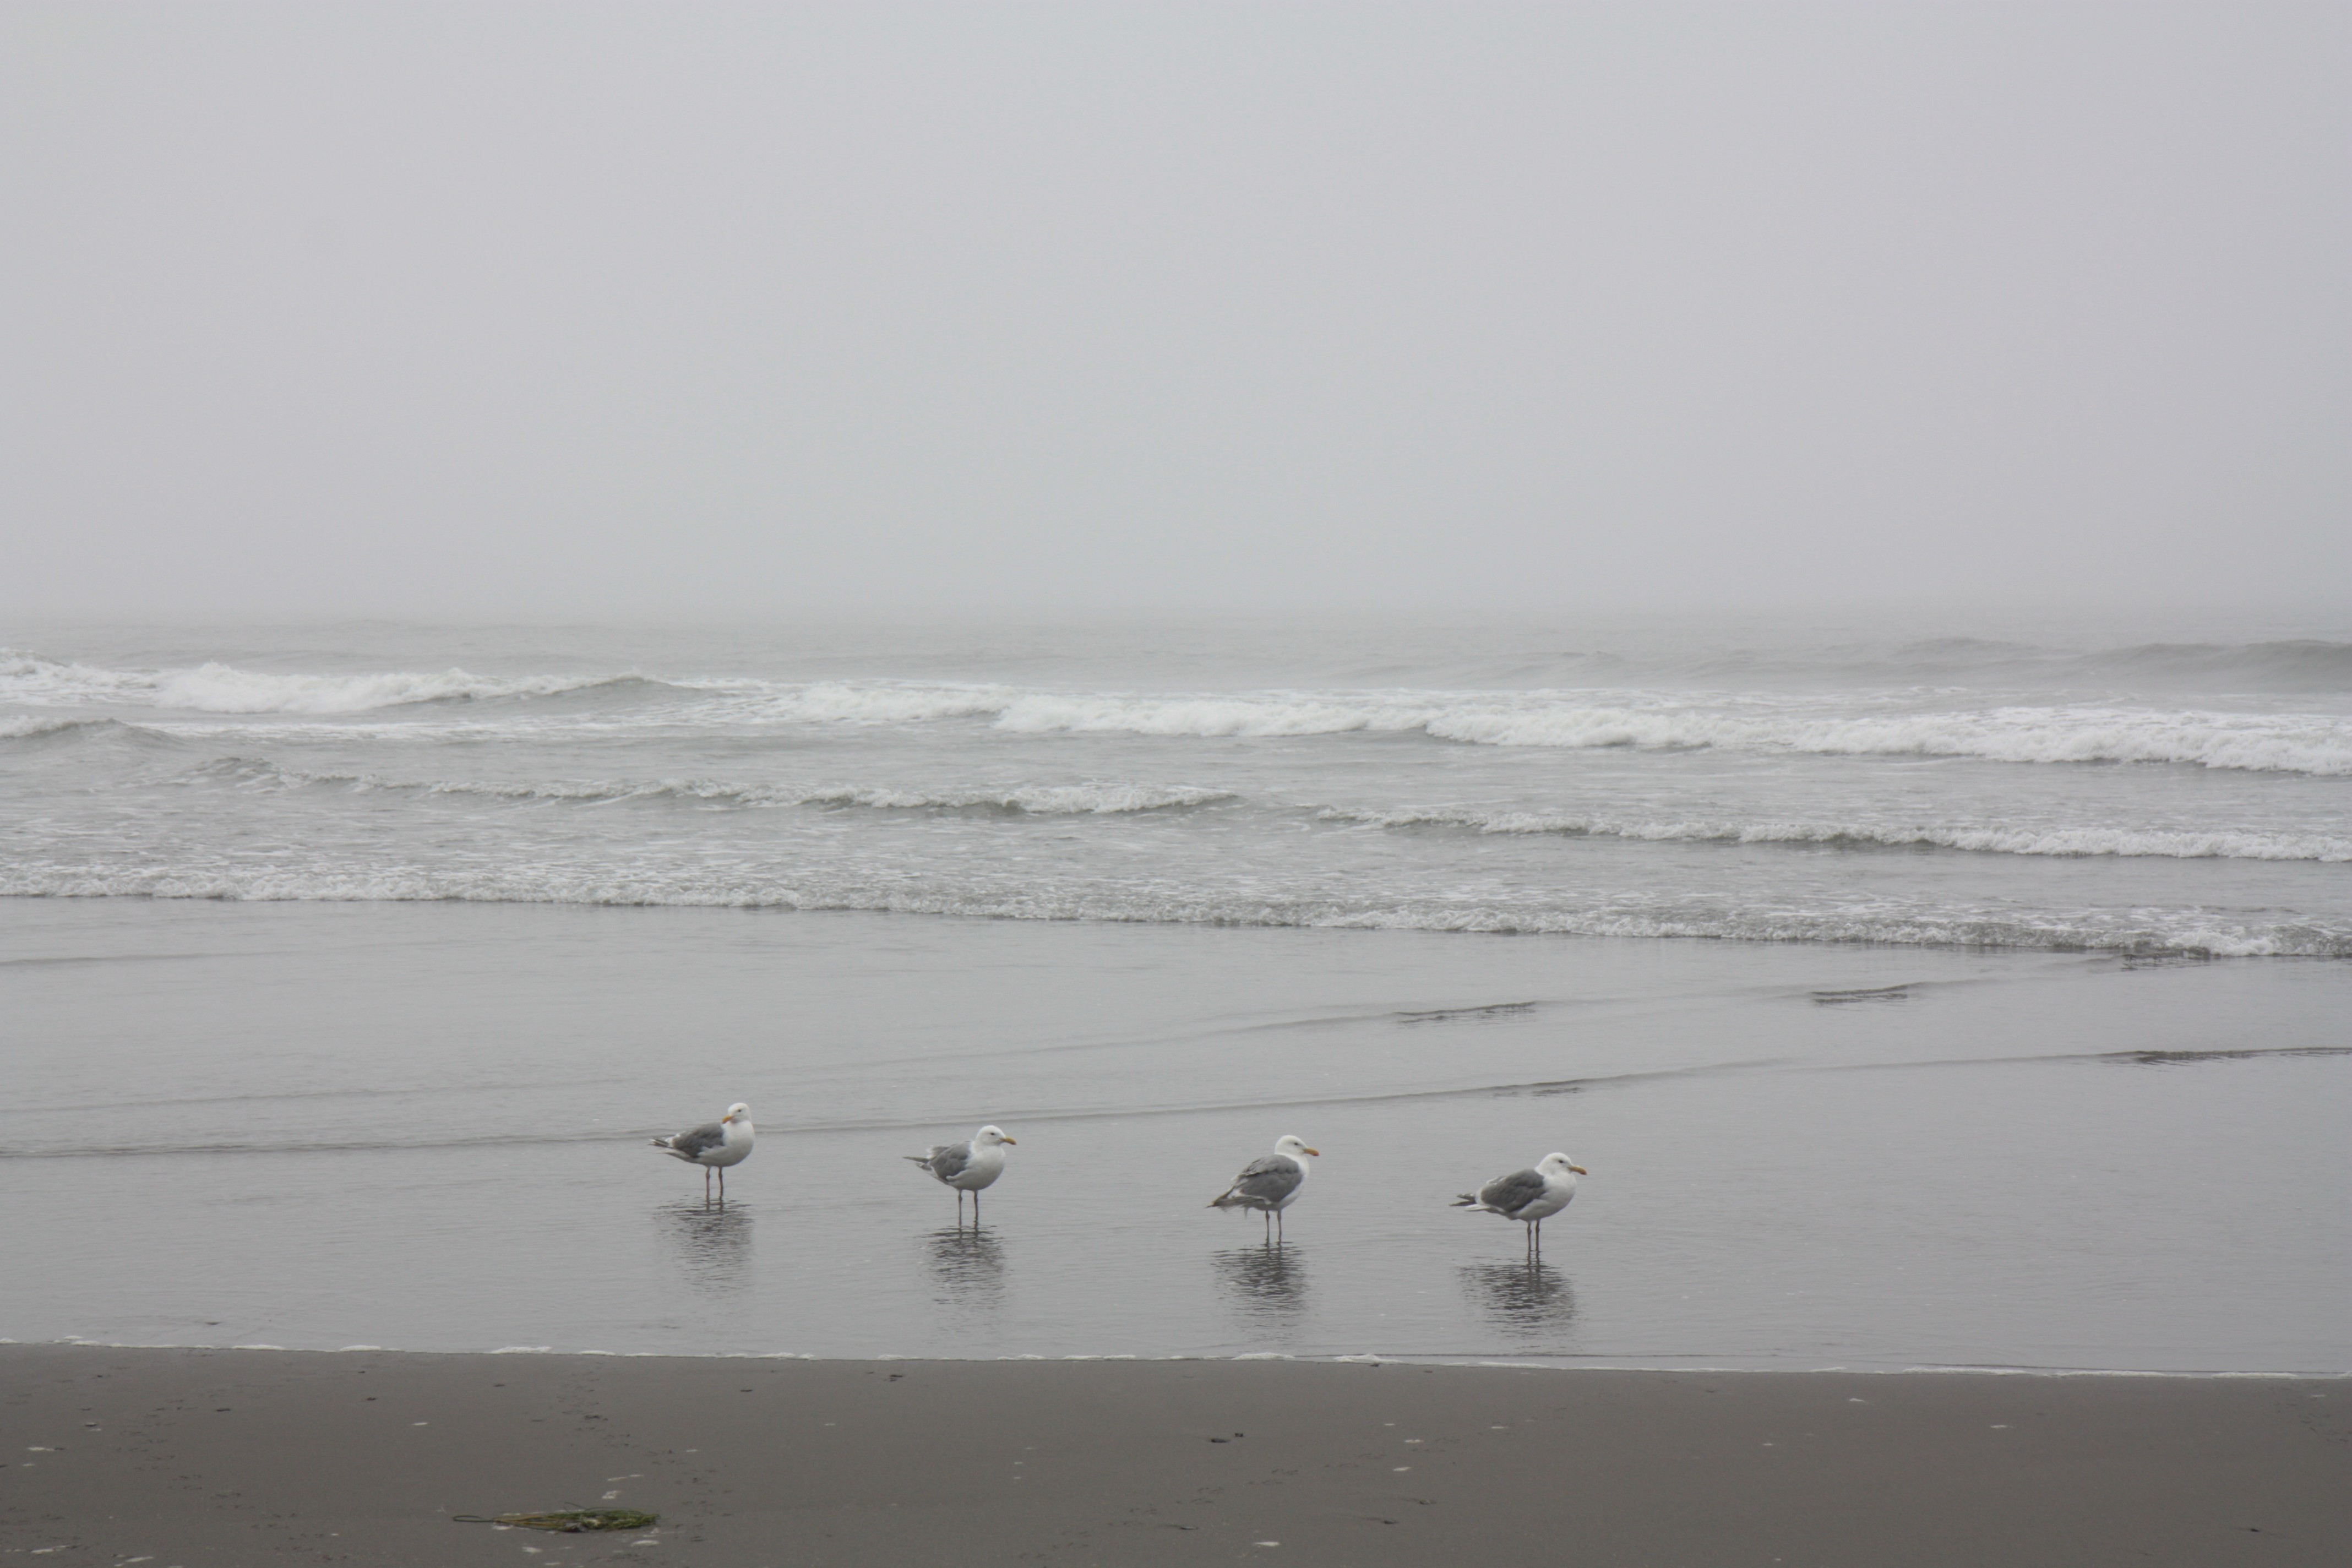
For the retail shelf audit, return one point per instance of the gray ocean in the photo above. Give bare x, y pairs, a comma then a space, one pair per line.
1970, 994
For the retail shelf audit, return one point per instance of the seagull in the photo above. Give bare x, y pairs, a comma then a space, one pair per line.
714, 1146
1531, 1197
967, 1167
1271, 1184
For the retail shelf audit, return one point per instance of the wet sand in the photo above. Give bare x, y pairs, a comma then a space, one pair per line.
203, 1458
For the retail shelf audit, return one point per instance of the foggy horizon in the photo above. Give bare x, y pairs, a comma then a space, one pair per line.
539, 316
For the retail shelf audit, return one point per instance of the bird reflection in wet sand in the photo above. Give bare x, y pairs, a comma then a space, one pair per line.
1268, 1283
968, 1266
1529, 1297
713, 1245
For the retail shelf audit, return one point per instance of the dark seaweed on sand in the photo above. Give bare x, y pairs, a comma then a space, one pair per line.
570, 1519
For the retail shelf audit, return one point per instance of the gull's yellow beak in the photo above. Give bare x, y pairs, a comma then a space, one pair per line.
1012, 1140
1317, 1153
1580, 1170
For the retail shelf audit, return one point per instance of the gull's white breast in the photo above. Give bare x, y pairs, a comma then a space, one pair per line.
733, 1151
987, 1164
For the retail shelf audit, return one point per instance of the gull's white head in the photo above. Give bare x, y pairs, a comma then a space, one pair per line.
1293, 1147
739, 1111
1558, 1166
989, 1137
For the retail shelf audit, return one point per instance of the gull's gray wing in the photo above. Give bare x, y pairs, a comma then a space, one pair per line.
1269, 1180
701, 1140
948, 1161
1512, 1192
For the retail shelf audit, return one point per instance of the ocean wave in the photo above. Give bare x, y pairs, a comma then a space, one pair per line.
1084, 799
1039, 800
1099, 798
2305, 743
2291, 744
2268, 743
2135, 931
34, 726
1822, 724
886, 703
225, 689
2303, 663
2122, 843
38, 732
2291, 665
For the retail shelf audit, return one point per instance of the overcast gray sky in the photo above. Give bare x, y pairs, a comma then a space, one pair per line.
484, 309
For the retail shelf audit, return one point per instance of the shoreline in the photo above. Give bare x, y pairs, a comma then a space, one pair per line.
196, 1457
1562, 1363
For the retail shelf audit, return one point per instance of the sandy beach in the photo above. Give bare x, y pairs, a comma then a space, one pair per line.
202, 1457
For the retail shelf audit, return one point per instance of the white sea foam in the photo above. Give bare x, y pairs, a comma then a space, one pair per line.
2308, 744
2056, 841
1038, 800
1105, 799
2314, 743
884, 704
224, 688
217, 689
1090, 798
1822, 724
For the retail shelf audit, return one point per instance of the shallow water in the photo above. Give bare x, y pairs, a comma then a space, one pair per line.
423, 1126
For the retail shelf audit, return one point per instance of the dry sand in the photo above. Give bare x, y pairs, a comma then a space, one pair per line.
204, 1457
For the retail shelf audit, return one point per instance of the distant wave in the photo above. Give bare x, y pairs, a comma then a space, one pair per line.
2300, 665
217, 689
2304, 664
30, 726
1822, 725
2288, 665
1104, 799
224, 688
887, 703
2056, 841
2300, 744
2296, 744
2132, 932
1033, 800
2305, 743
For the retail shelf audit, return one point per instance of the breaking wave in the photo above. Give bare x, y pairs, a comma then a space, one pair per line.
224, 688
1101, 798
2315, 743
1086, 799
2057, 841
2273, 743
34, 726
889, 703
2293, 743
